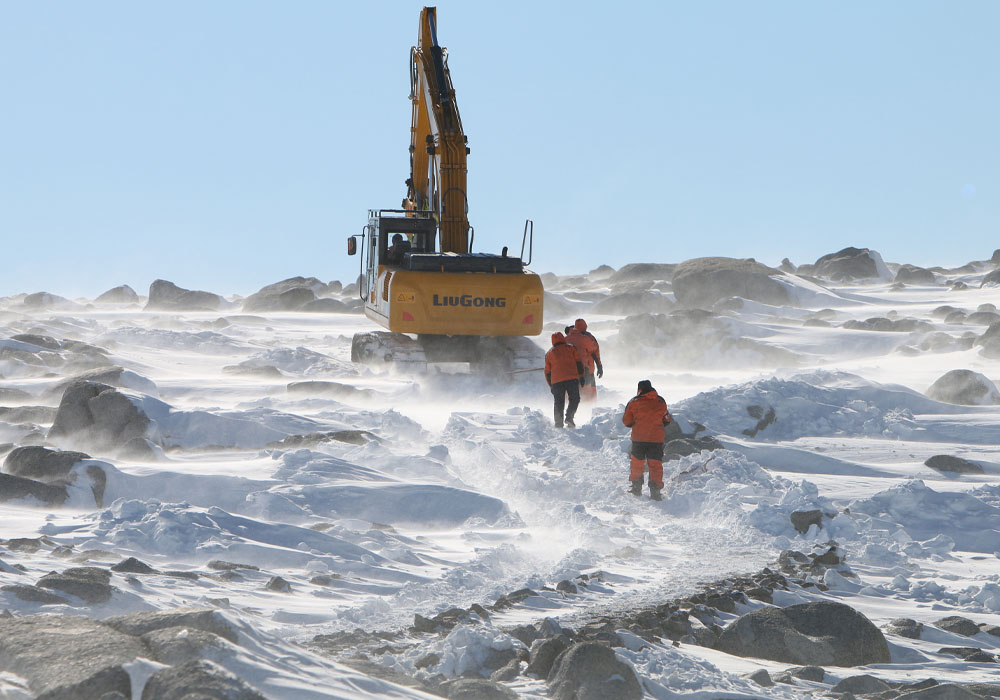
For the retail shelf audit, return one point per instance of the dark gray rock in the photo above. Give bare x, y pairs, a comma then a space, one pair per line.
178, 645
592, 671
544, 654
944, 691
971, 654
88, 583
44, 300
279, 585
223, 565
476, 689
508, 673
822, 633
956, 624
807, 673
131, 565
803, 519
328, 306
16, 488
291, 299
953, 465
642, 271
702, 282
34, 594
847, 265
67, 657
526, 634
198, 680
905, 627
887, 325
990, 342
911, 274
141, 623
861, 685
167, 296
761, 677
108, 416
41, 463
112, 375
567, 586
119, 295
991, 279
964, 387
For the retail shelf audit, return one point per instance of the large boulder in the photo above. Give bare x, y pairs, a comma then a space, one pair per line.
852, 264
108, 417
991, 279
18, 488
964, 387
640, 271
990, 342
66, 656
111, 375
592, 671
90, 584
41, 463
201, 680
206, 620
119, 295
911, 274
953, 465
288, 300
822, 633
703, 281
167, 296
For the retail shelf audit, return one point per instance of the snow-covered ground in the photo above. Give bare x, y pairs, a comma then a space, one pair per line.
407, 495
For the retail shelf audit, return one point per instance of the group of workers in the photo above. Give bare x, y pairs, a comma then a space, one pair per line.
572, 367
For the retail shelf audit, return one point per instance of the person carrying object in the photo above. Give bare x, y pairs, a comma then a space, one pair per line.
647, 415
564, 375
590, 352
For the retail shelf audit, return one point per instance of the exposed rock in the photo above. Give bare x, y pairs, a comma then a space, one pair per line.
141, 623
592, 671
703, 281
852, 264
33, 594
201, 679
953, 465
990, 342
476, 689
108, 416
88, 583
9, 395
761, 677
944, 691
44, 300
861, 685
982, 318
67, 656
507, 673
279, 585
971, 654
807, 673
544, 654
964, 387
123, 294
902, 325
991, 279
167, 296
629, 303
688, 445
566, 586
223, 565
802, 520
328, 306
291, 299
112, 376
642, 271
15, 488
905, 627
822, 633
131, 565
911, 274
957, 624
178, 645
41, 463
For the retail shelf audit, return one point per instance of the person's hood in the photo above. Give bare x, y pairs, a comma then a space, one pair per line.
557, 338
580, 325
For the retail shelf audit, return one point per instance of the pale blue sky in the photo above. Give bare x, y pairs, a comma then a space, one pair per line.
225, 145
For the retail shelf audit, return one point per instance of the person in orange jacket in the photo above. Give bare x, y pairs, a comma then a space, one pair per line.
590, 352
647, 414
564, 374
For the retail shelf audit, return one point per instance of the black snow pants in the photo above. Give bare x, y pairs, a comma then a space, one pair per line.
560, 390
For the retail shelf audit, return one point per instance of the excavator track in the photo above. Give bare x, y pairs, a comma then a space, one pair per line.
496, 357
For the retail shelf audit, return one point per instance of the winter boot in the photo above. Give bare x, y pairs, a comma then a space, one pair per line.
636, 489
570, 423
654, 492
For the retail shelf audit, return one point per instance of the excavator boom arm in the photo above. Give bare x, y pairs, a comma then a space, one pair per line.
438, 151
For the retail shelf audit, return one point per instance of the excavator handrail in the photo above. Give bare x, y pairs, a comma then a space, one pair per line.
529, 228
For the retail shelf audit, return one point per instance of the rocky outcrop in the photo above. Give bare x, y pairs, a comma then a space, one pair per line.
629, 303
701, 282
108, 417
953, 465
167, 296
119, 295
197, 679
820, 633
956, 624
905, 627
851, 264
964, 387
592, 670
911, 274
640, 271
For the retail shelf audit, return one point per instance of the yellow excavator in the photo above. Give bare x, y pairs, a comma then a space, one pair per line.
419, 277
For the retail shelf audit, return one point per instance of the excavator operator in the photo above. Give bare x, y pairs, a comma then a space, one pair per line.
400, 247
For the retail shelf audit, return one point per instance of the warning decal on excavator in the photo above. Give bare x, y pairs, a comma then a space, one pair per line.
530, 299
404, 298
